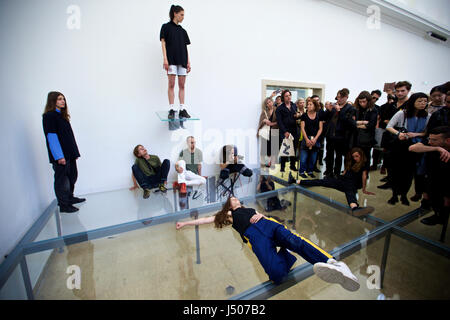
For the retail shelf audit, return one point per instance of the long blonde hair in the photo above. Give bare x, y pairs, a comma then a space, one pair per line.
264, 105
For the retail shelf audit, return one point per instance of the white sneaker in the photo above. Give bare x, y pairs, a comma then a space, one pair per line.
336, 272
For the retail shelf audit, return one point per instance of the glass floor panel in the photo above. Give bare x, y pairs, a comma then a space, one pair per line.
159, 262
412, 273
111, 208
383, 210
128, 247
431, 232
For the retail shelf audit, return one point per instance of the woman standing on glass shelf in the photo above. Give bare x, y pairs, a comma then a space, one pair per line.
174, 42
263, 235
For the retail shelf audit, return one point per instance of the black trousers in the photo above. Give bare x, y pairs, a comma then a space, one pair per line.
65, 178
376, 156
403, 168
149, 182
366, 151
340, 147
335, 183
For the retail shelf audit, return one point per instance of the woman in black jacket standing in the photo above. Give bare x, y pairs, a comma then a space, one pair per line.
62, 150
366, 122
287, 116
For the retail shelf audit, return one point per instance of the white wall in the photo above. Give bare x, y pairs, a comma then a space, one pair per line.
111, 73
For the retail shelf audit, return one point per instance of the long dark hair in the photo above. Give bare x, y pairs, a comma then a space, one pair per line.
364, 95
221, 218
174, 9
52, 97
410, 109
351, 164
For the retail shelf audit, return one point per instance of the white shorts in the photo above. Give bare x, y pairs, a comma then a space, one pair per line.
178, 70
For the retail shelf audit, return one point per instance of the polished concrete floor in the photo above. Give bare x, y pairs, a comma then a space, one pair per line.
160, 262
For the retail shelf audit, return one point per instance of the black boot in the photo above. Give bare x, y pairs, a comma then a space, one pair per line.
68, 209
393, 200
404, 199
385, 186
77, 200
433, 220
425, 204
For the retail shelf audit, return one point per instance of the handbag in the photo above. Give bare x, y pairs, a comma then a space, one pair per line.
264, 132
287, 147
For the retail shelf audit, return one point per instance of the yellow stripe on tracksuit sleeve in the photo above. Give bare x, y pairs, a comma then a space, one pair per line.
329, 256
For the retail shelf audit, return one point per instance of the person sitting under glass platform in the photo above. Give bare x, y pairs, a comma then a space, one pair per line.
231, 163
149, 172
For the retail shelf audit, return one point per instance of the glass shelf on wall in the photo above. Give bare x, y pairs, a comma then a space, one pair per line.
163, 116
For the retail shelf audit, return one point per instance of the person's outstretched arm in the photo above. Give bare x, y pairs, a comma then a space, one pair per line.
364, 183
421, 148
196, 222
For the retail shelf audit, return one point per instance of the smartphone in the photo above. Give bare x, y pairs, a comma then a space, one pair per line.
278, 91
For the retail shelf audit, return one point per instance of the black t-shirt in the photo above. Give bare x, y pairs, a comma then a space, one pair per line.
241, 220
387, 111
438, 119
311, 126
176, 39
53, 122
438, 173
355, 178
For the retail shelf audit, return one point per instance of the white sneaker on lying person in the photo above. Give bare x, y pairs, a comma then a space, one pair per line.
336, 272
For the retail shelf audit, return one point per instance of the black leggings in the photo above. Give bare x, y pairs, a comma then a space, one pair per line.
334, 183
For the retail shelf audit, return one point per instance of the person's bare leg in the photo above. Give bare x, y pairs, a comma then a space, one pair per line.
181, 82
171, 90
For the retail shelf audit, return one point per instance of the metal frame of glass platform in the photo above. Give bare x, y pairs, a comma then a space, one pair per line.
383, 229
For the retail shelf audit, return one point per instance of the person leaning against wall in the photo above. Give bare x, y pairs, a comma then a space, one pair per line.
62, 150
193, 156
148, 171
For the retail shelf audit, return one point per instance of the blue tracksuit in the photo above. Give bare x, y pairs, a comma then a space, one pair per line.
267, 234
